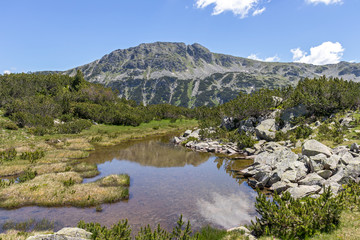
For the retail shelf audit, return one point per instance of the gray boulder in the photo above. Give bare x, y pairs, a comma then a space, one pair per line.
313, 147
187, 133
282, 186
325, 173
312, 179
295, 112
345, 157
229, 123
332, 162
303, 191
354, 148
266, 130
64, 234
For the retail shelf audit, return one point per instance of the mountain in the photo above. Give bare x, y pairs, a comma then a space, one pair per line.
191, 75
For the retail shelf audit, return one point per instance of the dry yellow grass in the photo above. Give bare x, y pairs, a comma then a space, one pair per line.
64, 189
17, 235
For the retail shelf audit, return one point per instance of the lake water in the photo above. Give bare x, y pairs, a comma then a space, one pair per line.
165, 181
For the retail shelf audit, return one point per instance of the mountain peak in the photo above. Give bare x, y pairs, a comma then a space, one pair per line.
191, 75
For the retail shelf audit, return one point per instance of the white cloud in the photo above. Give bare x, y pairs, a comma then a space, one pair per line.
327, 2
326, 53
259, 11
268, 59
238, 7
7, 72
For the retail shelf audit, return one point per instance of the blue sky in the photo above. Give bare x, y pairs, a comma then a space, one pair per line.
62, 34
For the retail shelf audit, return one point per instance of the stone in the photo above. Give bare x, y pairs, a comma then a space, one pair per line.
339, 177
346, 121
64, 234
317, 162
282, 186
266, 130
229, 123
312, 179
289, 175
352, 170
303, 191
277, 100
295, 112
331, 162
274, 178
195, 134
176, 140
325, 173
313, 147
74, 232
187, 133
354, 148
298, 144
345, 158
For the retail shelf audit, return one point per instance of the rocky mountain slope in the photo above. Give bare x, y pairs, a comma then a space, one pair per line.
191, 75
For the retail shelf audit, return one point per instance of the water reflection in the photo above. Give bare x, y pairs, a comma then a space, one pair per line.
156, 152
166, 181
228, 211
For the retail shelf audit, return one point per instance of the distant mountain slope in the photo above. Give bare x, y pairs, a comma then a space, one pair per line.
191, 75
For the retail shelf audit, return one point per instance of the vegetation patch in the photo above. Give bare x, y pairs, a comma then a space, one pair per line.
62, 189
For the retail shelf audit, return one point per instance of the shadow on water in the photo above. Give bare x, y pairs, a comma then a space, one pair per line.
166, 181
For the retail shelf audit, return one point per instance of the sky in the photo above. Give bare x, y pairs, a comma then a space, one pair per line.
37, 35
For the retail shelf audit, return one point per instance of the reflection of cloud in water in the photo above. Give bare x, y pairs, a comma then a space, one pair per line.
228, 211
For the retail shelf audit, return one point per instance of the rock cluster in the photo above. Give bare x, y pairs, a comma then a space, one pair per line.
191, 139
318, 166
64, 234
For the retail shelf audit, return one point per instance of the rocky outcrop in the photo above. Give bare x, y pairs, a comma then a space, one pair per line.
266, 130
303, 174
64, 234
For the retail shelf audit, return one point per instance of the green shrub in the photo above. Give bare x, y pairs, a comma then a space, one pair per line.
8, 155
289, 218
9, 125
6, 183
74, 127
122, 230
32, 156
302, 131
27, 175
245, 141
68, 183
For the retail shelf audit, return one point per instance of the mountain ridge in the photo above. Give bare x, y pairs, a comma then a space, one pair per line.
192, 75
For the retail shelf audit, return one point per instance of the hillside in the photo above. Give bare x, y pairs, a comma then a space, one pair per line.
191, 75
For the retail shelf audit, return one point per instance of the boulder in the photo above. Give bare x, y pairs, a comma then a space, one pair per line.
187, 133
303, 191
229, 123
176, 140
277, 100
295, 112
313, 147
340, 177
64, 234
345, 157
332, 162
195, 134
354, 148
317, 162
312, 179
325, 173
266, 130
282, 186
247, 125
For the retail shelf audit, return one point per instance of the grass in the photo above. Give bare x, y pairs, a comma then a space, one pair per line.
65, 189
